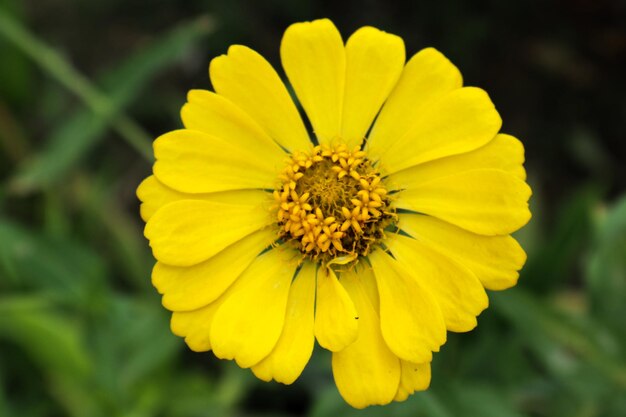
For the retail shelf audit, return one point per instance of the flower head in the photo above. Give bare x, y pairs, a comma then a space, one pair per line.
374, 235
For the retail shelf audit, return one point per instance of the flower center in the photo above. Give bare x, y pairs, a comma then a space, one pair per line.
332, 204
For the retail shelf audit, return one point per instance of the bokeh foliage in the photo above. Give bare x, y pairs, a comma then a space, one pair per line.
85, 86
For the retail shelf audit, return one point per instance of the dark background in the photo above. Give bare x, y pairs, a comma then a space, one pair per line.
86, 85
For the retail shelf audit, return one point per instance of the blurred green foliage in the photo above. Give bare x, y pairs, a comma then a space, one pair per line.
84, 86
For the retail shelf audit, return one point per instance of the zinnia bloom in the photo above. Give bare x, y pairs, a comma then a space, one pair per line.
374, 235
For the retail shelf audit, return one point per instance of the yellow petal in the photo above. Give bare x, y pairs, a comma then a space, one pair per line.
247, 326
295, 345
314, 60
368, 282
411, 320
195, 325
456, 289
246, 78
426, 77
504, 153
487, 201
182, 322
217, 116
374, 61
495, 260
187, 232
463, 120
414, 377
192, 287
194, 162
336, 320
153, 195
366, 372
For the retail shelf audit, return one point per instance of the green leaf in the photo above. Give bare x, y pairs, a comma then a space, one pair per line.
51, 339
551, 262
130, 345
15, 72
78, 399
606, 269
420, 404
485, 401
551, 334
192, 393
75, 137
55, 266
119, 233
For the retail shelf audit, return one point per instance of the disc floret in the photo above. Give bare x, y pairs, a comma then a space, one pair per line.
332, 203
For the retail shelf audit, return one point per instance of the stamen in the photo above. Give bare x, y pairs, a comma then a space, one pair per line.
332, 204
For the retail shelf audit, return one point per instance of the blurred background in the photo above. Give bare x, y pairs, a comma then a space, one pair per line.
86, 85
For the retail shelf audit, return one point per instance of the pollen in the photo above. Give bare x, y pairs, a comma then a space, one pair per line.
331, 203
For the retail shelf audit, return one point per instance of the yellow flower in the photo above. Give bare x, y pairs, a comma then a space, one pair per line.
374, 237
